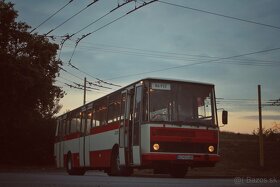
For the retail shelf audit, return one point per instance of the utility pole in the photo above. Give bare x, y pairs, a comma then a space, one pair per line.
260, 128
85, 87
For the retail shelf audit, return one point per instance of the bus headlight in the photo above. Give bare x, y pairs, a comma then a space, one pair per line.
211, 148
156, 147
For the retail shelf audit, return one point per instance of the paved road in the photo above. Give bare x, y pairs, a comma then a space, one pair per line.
98, 179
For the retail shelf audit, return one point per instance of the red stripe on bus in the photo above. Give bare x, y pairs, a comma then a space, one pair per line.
100, 158
104, 128
72, 136
75, 160
183, 139
183, 135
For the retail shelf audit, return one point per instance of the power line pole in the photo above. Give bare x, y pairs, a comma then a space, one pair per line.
260, 128
85, 87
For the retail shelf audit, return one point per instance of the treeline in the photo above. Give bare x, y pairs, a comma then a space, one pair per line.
28, 97
28, 145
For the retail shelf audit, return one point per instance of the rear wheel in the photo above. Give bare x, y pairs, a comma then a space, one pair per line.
70, 169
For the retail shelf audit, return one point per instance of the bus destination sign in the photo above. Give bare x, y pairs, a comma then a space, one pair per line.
161, 86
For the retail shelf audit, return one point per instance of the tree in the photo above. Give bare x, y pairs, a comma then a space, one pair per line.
28, 68
271, 134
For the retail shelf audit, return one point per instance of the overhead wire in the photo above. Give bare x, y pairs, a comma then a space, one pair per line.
111, 22
181, 57
51, 16
72, 74
93, 22
102, 27
273, 102
192, 64
80, 85
89, 82
67, 37
90, 4
70, 85
221, 15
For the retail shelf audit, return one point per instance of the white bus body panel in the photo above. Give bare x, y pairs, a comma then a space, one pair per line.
87, 151
104, 140
136, 155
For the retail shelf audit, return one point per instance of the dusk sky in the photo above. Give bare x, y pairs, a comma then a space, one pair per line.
168, 41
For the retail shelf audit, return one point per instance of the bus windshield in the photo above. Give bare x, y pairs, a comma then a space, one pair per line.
182, 103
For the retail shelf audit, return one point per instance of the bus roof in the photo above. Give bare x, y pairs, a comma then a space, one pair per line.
176, 80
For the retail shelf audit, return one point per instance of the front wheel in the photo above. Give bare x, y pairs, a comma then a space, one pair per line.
70, 169
116, 169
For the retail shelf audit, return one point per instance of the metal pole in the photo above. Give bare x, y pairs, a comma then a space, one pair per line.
260, 128
85, 85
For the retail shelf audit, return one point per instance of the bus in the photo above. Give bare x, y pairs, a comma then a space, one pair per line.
165, 125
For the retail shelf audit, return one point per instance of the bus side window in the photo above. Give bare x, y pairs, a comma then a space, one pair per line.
93, 119
60, 130
122, 107
114, 108
85, 121
88, 121
82, 122
75, 122
63, 127
78, 122
101, 113
67, 131
57, 127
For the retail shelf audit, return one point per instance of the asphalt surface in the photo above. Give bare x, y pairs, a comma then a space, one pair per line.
99, 179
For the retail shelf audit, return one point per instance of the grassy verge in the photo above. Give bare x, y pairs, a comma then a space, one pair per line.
240, 157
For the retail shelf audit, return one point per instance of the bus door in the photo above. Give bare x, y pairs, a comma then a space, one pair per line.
125, 130
84, 139
136, 128
89, 116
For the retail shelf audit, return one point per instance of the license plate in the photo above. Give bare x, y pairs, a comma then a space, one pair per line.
184, 157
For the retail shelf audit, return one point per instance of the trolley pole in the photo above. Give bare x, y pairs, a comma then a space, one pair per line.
260, 128
85, 87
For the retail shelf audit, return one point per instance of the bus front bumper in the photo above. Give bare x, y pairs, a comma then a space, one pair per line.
192, 160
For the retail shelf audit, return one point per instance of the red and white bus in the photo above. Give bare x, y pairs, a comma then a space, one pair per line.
165, 125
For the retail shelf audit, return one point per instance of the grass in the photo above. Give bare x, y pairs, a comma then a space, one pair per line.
240, 157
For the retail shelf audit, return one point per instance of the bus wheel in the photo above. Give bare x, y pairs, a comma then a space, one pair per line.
70, 169
127, 171
115, 163
116, 169
178, 171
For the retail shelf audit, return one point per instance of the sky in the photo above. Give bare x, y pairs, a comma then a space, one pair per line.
163, 40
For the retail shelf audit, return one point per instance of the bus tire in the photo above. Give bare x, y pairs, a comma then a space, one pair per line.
115, 163
116, 169
70, 169
178, 171
127, 171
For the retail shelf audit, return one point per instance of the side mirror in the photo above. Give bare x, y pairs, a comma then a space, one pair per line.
225, 117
